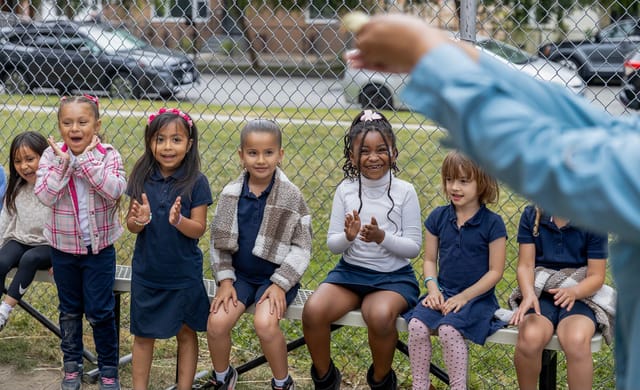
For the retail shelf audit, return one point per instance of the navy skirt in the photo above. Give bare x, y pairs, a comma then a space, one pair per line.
161, 313
363, 281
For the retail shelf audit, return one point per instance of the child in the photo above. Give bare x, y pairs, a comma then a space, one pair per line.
260, 247
21, 221
82, 180
168, 297
554, 243
375, 226
3, 185
464, 257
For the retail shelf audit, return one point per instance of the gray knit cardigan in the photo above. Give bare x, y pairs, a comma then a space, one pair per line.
284, 237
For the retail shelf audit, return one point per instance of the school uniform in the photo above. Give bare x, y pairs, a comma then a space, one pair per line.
166, 284
463, 258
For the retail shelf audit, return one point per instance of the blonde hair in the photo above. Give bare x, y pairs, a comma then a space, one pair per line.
456, 165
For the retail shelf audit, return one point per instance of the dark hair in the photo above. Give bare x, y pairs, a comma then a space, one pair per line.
456, 163
88, 99
261, 125
28, 139
364, 123
147, 163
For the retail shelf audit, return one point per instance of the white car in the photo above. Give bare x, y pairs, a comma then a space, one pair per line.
380, 90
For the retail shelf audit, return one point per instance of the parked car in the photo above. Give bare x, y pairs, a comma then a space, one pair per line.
629, 95
379, 90
70, 56
601, 58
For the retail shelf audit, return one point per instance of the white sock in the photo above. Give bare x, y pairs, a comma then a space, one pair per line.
5, 308
220, 376
280, 382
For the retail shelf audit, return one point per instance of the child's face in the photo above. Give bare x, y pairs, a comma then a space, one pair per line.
169, 146
372, 155
462, 190
25, 160
260, 155
78, 124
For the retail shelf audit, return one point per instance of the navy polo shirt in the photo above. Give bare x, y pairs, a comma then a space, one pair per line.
557, 248
250, 213
163, 257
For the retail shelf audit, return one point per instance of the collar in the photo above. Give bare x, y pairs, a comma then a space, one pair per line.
473, 221
178, 174
382, 182
247, 193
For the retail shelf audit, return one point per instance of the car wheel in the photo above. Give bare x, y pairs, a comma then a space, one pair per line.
16, 83
376, 97
122, 87
574, 64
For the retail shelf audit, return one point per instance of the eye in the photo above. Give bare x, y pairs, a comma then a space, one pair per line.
252, 153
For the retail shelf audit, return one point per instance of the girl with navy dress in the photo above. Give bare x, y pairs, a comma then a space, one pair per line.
375, 227
168, 212
550, 244
464, 258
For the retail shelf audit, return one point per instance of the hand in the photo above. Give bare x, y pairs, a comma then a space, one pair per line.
277, 300
564, 297
371, 232
56, 149
394, 43
141, 212
94, 142
528, 302
352, 225
433, 300
174, 213
225, 295
454, 304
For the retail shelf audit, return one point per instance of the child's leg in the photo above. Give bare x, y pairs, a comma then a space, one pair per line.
327, 304
456, 355
534, 332
219, 328
380, 310
574, 333
32, 260
141, 361
419, 354
187, 357
272, 341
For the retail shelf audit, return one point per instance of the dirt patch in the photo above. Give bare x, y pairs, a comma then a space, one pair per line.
41, 378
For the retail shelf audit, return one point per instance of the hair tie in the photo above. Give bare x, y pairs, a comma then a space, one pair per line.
94, 99
174, 111
369, 115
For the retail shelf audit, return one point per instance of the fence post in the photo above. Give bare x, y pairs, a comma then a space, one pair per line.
468, 14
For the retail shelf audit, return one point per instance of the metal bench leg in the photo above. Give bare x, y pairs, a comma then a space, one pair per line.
549, 370
434, 370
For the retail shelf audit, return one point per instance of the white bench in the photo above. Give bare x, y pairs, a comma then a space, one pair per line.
354, 318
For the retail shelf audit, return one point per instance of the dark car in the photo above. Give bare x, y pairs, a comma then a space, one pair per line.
629, 94
70, 56
600, 58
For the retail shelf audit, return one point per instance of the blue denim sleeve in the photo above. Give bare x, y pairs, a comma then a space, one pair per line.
3, 186
573, 159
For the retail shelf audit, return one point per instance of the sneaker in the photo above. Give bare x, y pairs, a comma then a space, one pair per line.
109, 378
229, 381
72, 376
288, 385
3, 320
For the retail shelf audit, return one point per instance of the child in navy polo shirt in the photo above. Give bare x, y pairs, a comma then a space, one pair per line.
260, 247
168, 211
549, 244
464, 257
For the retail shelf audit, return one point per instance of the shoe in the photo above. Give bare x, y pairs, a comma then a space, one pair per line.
229, 381
72, 376
389, 382
109, 378
331, 380
288, 385
3, 320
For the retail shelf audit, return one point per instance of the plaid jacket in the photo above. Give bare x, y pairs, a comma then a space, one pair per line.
102, 169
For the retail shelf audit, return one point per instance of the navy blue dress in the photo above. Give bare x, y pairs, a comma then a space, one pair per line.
463, 258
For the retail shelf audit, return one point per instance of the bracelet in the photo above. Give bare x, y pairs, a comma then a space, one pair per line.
431, 278
179, 220
135, 221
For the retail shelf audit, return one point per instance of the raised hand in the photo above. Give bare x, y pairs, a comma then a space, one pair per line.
174, 215
56, 149
371, 232
94, 142
352, 225
141, 212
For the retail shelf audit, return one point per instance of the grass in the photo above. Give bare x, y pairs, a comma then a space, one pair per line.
313, 160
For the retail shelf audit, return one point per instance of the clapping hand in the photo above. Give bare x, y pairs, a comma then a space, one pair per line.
352, 225
371, 232
141, 212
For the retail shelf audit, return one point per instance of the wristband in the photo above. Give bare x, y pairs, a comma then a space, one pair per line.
179, 220
135, 221
430, 278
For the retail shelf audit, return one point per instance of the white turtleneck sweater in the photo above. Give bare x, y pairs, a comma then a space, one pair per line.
402, 241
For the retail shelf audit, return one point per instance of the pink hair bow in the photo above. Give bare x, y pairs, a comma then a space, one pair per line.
369, 115
175, 111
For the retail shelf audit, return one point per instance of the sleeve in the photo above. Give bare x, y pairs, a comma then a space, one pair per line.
52, 177
105, 175
201, 192
432, 223
221, 260
3, 186
525, 228
597, 246
498, 229
336, 239
4, 224
410, 242
538, 138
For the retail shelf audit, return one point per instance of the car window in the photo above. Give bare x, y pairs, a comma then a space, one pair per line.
112, 40
620, 30
508, 52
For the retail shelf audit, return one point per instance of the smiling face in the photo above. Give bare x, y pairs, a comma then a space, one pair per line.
372, 155
169, 146
260, 155
462, 190
78, 124
25, 161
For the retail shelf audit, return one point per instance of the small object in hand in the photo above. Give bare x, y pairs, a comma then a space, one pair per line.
353, 21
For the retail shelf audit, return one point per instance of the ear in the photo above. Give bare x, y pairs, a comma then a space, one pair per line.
98, 127
281, 155
190, 144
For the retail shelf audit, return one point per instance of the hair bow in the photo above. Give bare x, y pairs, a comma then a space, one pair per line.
174, 111
94, 99
369, 115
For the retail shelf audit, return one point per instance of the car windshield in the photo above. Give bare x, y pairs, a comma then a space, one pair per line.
112, 40
508, 52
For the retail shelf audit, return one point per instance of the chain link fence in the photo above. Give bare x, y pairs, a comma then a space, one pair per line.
225, 62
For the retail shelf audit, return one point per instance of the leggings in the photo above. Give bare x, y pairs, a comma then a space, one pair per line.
28, 259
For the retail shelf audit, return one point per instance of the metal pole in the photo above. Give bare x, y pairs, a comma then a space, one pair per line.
468, 14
